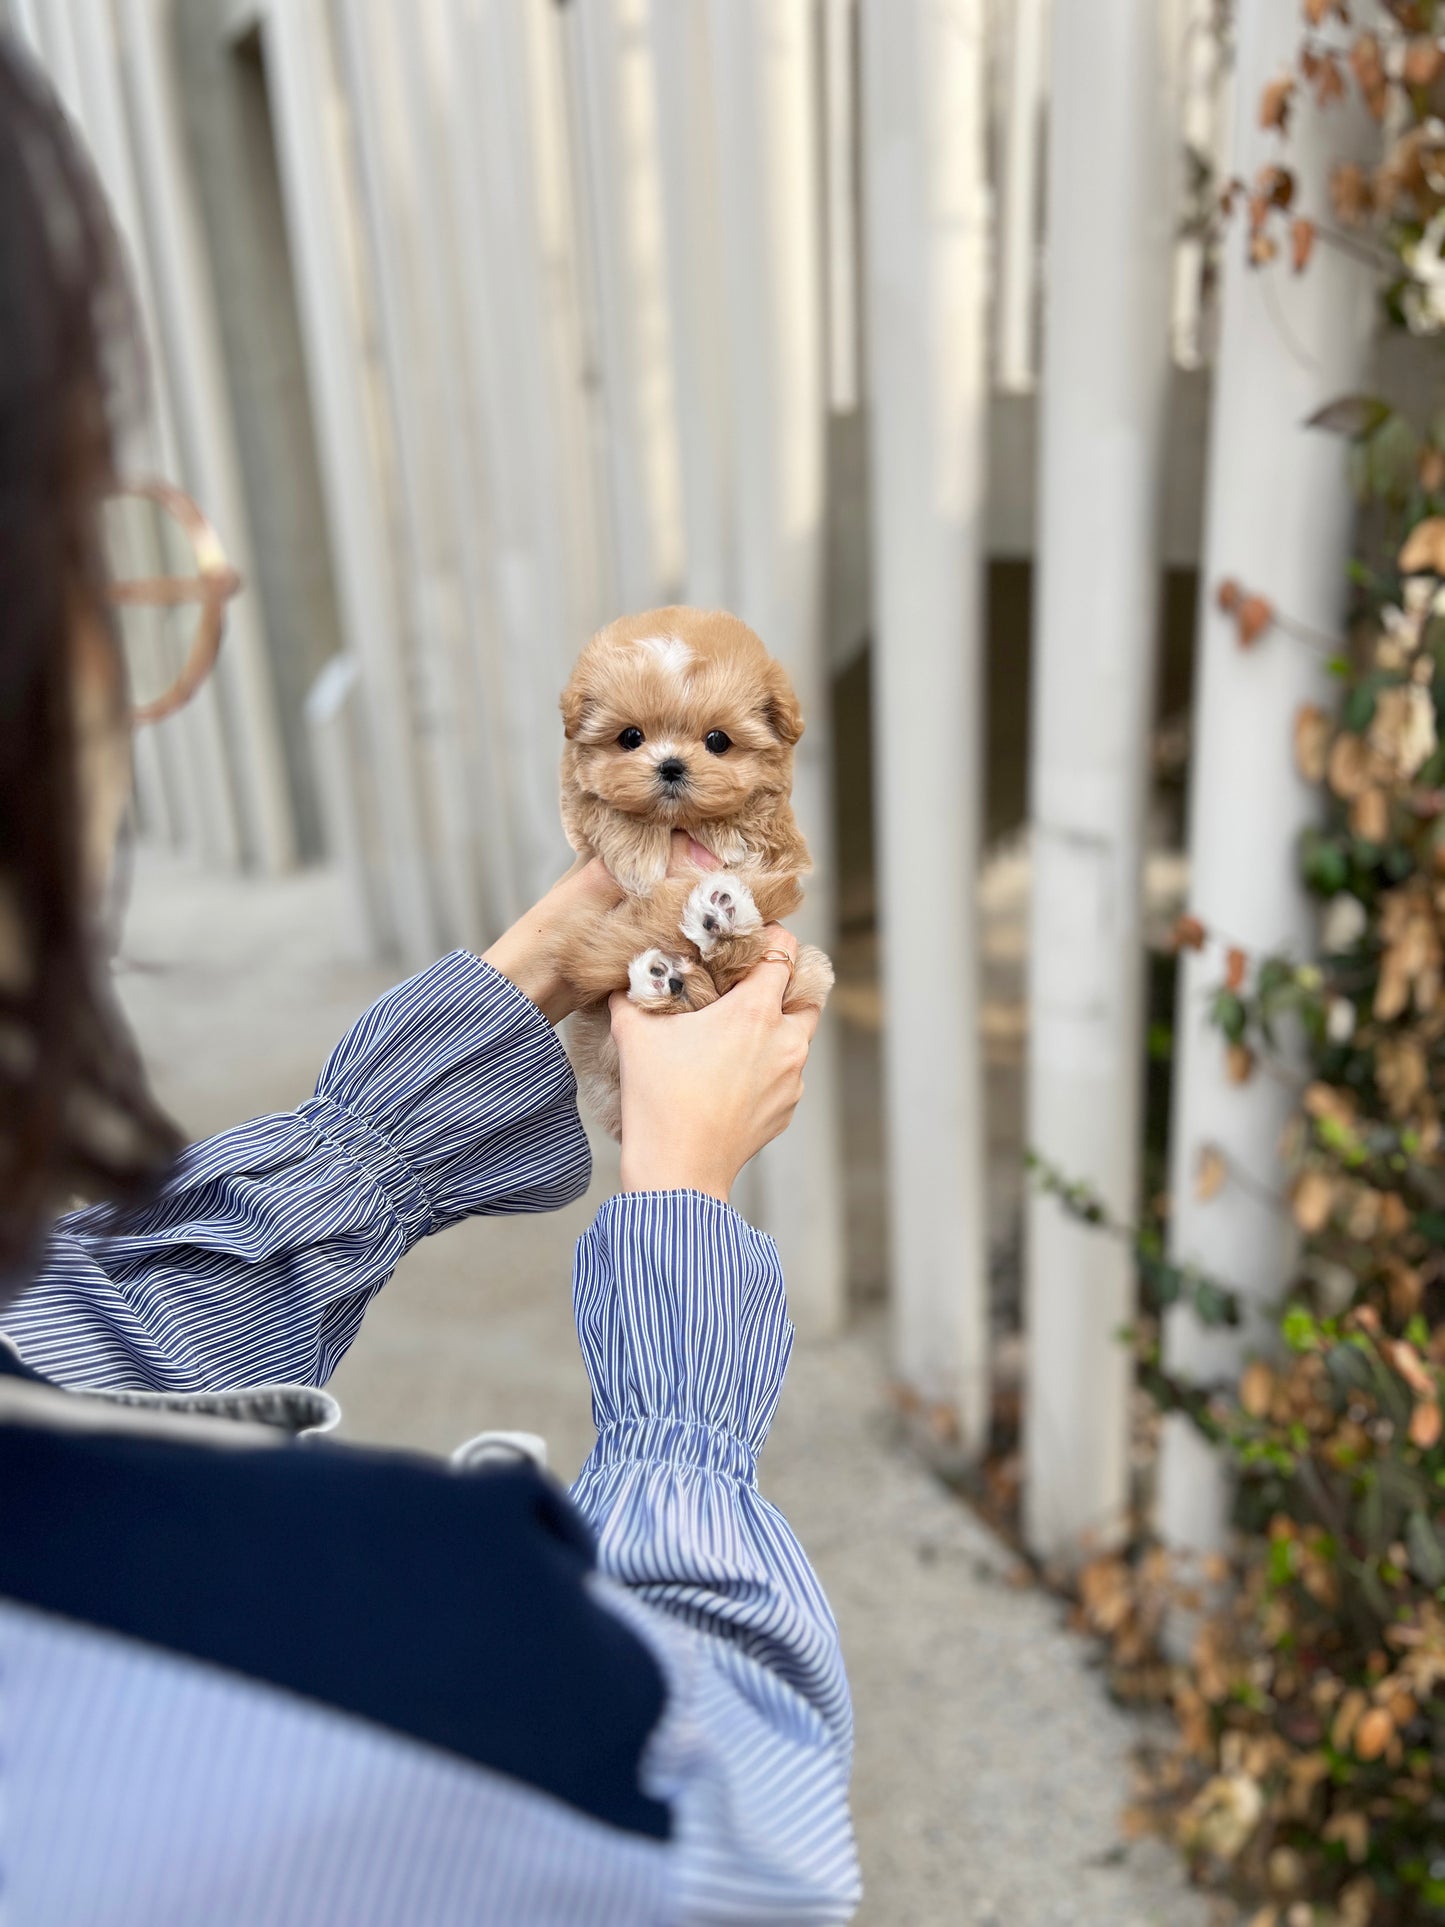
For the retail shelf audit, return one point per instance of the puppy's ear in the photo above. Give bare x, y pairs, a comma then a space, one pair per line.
575, 704
780, 706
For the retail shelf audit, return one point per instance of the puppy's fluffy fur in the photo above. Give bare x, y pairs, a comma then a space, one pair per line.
679, 719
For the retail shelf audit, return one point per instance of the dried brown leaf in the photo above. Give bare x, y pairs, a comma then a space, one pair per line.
1210, 1173
1424, 59
1188, 934
1236, 966
1367, 63
1239, 1062
1313, 1201
1312, 732
1425, 1425
1254, 616
1374, 1733
1302, 234
1350, 767
1274, 103
1352, 194
1424, 548
1370, 816
1256, 1389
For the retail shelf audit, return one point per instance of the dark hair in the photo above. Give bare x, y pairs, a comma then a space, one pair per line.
76, 1116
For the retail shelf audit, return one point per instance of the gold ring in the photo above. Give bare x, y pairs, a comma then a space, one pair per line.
782, 957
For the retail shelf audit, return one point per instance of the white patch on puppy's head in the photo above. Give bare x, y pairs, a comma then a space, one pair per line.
674, 655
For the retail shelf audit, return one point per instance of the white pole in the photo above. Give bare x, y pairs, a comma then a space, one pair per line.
1103, 397
622, 202
1018, 242
431, 91
926, 204
765, 71
186, 312
1278, 520
690, 157
841, 150
191, 746
317, 198
421, 383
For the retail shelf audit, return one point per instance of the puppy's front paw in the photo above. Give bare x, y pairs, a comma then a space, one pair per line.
720, 906
661, 983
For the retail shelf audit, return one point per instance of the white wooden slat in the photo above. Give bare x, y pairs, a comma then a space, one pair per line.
690, 157
204, 430
419, 388
191, 746
1018, 239
543, 553
317, 197
621, 200
840, 156
764, 70
1288, 344
429, 103
927, 225
1103, 399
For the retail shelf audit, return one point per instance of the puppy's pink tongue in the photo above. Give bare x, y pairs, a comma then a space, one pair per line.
704, 859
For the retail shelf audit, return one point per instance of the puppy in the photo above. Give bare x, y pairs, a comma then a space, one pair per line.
679, 719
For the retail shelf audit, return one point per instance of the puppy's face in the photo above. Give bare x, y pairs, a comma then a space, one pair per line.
679, 716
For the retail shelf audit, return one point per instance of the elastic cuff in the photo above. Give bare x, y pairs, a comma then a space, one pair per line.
677, 1442
365, 1146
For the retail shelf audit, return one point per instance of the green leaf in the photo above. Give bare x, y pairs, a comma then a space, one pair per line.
1352, 415
1300, 1329
1427, 1554
1230, 1015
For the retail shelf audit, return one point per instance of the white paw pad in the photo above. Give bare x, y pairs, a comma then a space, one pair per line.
720, 906
654, 977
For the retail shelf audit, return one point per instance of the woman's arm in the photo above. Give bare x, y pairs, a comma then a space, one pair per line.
451, 1097
683, 1324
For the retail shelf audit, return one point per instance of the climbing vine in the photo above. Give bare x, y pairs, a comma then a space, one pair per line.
1309, 1769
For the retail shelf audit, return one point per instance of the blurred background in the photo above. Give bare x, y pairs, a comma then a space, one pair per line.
913, 331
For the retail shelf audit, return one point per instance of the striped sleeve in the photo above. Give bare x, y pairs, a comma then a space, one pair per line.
684, 1328
450, 1097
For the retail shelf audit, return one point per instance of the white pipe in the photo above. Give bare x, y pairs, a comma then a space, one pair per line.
690, 156
186, 312
1103, 401
841, 140
191, 746
316, 193
621, 201
763, 64
1288, 344
541, 553
927, 216
1018, 245
420, 383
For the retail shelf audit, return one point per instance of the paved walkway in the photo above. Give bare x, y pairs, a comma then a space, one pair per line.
990, 1766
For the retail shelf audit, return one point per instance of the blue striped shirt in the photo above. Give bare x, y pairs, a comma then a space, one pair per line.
151, 1775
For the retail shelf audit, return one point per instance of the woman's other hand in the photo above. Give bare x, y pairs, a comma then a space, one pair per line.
526, 953
703, 1093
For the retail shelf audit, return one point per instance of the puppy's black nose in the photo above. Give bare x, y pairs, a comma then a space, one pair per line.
672, 769
674, 984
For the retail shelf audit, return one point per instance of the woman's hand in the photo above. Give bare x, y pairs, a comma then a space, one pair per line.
703, 1093
525, 953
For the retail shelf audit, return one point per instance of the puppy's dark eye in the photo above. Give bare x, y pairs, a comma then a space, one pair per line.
716, 741
630, 739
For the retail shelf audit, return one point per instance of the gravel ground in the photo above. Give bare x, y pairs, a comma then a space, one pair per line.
990, 1766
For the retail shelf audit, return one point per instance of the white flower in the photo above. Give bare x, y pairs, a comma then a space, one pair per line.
1341, 928
1403, 729
1424, 300
1340, 1020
